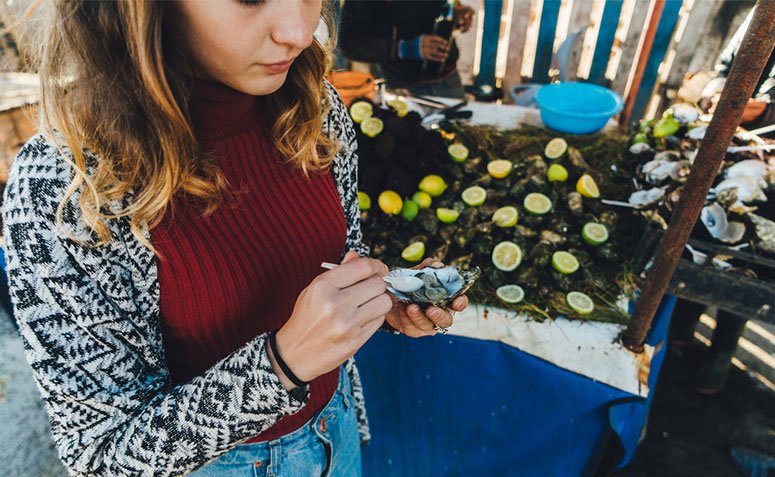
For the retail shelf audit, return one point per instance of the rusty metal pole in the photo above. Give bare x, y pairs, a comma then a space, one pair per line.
645, 52
749, 63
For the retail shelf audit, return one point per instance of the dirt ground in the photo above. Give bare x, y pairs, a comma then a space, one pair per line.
690, 435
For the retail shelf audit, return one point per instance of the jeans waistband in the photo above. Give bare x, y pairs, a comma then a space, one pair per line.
297, 439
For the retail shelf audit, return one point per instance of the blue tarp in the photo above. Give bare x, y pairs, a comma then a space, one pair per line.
450, 405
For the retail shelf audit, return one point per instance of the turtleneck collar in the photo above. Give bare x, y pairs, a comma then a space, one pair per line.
220, 111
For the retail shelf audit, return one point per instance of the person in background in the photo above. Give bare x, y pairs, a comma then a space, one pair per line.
399, 36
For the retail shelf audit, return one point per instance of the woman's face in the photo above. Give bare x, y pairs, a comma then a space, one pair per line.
248, 45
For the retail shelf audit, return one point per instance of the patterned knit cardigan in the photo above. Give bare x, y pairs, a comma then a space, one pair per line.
89, 319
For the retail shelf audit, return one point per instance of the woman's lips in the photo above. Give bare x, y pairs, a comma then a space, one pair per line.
279, 68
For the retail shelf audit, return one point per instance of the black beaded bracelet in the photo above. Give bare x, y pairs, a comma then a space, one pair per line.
281, 363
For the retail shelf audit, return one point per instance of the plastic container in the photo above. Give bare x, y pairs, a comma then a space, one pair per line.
352, 85
577, 108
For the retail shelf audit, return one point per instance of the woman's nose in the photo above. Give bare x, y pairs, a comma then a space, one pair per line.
296, 26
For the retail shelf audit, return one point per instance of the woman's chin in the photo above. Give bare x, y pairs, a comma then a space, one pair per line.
266, 84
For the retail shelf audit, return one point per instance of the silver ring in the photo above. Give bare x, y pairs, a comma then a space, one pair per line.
441, 330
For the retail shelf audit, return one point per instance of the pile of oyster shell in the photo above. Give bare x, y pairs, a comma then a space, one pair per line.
741, 187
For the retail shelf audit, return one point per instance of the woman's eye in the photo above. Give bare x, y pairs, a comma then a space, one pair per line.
252, 3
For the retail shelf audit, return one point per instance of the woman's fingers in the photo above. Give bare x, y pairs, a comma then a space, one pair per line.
365, 290
419, 319
439, 317
354, 271
460, 303
429, 262
406, 325
374, 309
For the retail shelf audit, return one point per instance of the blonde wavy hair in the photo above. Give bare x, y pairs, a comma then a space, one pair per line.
112, 81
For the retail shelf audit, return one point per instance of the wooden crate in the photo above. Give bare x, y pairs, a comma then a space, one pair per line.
731, 290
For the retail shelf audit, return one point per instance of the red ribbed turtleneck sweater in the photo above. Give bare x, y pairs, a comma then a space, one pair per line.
226, 278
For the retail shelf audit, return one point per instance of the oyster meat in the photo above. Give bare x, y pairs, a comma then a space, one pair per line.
430, 286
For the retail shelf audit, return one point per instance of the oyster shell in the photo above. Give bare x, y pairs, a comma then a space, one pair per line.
765, 228
715, 220
680, 171
657, 170
749, 189
685, 113
748, 168
430, 286
640, 148
697, 133
646, 198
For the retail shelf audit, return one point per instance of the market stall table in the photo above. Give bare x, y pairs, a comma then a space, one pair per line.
503, 394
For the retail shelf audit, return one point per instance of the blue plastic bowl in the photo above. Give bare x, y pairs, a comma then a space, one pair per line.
577, 108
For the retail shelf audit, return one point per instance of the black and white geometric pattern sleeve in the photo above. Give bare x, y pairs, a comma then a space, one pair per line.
96, 350
339, 126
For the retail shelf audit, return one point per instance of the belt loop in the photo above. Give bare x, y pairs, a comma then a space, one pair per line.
274, 459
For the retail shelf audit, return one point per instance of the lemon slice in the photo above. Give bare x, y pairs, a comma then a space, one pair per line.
361, 110
371, 127
474, 196
556, 148
505, 216
587, 187
410, 210
537, 204
594, 234
557, 173
499, 168
458, 152
580, 302
402, 109
413, 252
433, 185
423, 199
447, 215
364, 201
565, 262
506, 256
510, 293
390, 202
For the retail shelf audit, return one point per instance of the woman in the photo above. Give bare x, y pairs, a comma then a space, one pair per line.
164, 239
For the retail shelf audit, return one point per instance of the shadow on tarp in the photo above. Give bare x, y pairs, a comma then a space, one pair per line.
450, 405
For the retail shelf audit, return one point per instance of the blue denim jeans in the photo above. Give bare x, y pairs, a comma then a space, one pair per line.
327, 445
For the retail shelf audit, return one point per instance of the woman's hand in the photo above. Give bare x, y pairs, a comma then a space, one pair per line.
433, 48
333, 317
412, 321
